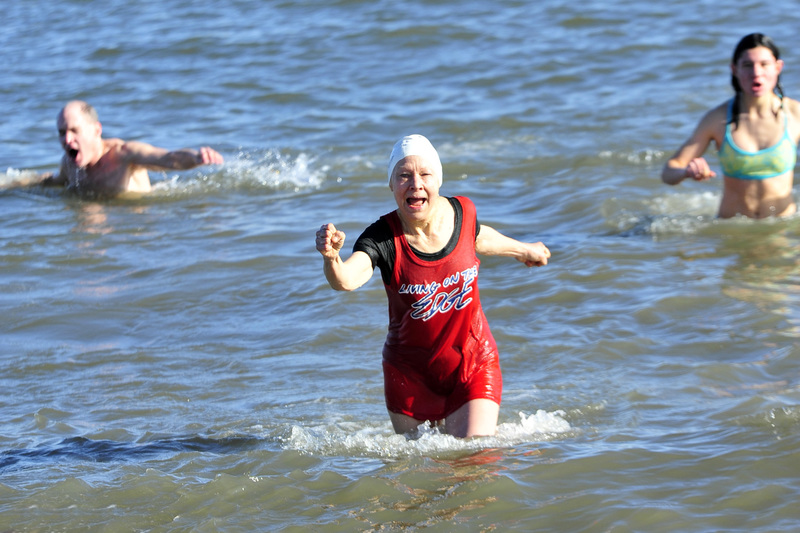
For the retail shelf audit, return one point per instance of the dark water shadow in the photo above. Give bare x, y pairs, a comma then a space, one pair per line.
104, 451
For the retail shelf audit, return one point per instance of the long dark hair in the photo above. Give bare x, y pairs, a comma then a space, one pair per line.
749, 42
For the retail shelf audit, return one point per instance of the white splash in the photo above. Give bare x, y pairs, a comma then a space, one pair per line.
269, 170
351, 439
13, 176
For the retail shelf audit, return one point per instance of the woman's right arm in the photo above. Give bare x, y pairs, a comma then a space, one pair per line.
342, 275
688, 161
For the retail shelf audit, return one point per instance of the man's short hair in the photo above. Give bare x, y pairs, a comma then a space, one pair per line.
89, 111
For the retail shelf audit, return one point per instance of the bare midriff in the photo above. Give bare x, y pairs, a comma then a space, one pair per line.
771, 197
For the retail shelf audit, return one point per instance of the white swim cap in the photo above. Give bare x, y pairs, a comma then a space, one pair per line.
415, 145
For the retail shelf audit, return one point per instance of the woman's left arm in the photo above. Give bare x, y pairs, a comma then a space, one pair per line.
492, 242
793, 108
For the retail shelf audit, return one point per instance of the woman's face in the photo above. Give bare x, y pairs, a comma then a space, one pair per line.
415, 184
757, 71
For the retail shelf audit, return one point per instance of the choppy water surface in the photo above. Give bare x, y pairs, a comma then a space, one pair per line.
178, 363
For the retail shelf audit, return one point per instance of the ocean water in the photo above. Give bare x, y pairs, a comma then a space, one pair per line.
178, 363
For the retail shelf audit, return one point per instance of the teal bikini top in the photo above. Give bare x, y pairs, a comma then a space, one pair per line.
767, 163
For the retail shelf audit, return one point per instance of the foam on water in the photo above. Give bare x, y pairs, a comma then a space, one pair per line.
249, 170
682, 213
12, 175
352, 439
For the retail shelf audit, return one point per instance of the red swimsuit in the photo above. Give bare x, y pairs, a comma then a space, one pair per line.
439, 353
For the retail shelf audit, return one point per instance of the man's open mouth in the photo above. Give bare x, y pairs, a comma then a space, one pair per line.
72, 153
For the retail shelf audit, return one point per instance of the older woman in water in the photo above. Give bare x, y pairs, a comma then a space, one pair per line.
440, 361
756, 133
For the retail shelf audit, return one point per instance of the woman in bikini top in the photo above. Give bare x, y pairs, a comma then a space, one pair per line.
756, 134
770, 162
